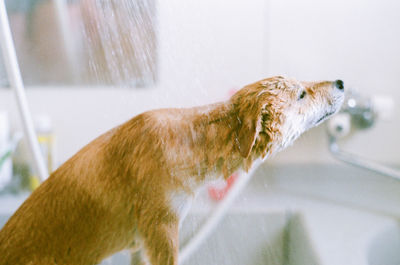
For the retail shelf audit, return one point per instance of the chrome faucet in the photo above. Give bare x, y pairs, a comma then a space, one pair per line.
363, 115
361, 110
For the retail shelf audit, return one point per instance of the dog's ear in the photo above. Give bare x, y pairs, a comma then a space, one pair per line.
248, 129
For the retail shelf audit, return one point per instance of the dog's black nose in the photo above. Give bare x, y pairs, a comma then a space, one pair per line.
339, 84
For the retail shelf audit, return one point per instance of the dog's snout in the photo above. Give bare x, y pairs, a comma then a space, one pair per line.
339, 84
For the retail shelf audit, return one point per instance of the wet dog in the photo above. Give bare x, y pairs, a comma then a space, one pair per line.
130, 187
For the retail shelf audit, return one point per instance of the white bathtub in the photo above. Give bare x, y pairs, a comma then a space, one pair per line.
253, 238
385, 246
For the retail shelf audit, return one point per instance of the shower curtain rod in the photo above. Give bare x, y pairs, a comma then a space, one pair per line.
16, 84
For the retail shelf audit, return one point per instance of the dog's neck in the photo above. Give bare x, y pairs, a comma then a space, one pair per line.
215, 130
222, 120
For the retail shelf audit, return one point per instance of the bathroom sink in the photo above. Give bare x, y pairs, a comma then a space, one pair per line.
385, 247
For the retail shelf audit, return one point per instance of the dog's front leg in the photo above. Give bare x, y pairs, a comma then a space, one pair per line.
137, 257
160, 241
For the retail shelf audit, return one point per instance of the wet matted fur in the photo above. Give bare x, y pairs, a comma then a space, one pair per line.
131, 186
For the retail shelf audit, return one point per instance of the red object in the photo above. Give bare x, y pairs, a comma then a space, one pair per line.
217, 193
232, 91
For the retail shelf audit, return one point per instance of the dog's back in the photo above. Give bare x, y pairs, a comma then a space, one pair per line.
74, 217
89, 207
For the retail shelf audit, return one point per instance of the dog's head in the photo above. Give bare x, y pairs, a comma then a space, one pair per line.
273, 112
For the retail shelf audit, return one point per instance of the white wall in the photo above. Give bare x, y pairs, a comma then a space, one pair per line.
211, 46
355, 40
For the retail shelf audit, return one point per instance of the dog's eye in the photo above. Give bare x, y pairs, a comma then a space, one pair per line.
303, 94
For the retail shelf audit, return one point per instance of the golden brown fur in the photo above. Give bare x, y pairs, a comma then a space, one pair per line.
118, 191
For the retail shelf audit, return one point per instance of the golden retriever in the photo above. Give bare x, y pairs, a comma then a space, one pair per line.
131, 186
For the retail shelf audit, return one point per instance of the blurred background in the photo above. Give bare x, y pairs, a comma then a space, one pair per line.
89, 65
